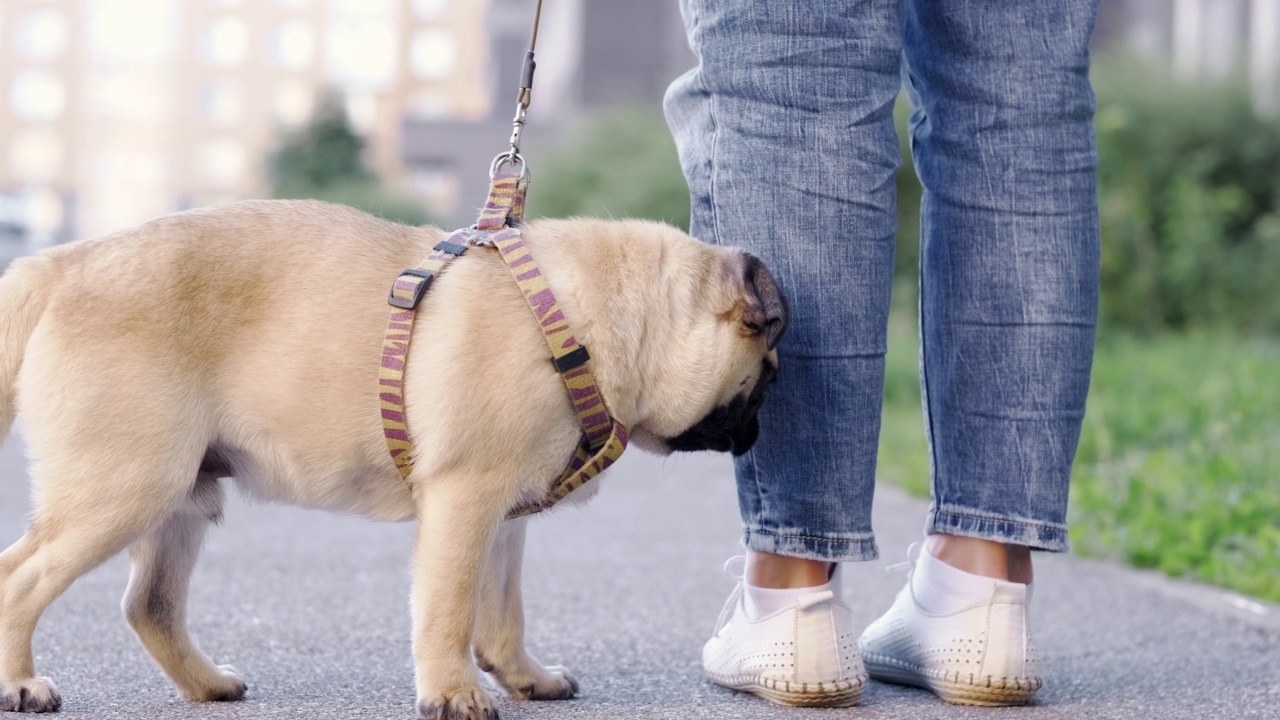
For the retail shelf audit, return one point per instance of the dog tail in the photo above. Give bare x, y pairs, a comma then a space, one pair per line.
22, 302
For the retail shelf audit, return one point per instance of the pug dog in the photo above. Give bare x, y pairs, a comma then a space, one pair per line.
242, 344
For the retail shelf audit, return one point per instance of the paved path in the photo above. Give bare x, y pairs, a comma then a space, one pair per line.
312, 609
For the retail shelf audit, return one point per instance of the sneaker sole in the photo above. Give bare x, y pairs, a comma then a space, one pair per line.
955, 689
837, 693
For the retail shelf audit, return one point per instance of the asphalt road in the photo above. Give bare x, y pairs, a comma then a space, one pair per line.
312, 609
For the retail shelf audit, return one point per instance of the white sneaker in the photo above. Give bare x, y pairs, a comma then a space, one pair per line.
980, 655
805, 654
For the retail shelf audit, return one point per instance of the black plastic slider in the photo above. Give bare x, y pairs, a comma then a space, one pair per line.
418, 292
453, 249
525, 96
526, 73
572, 360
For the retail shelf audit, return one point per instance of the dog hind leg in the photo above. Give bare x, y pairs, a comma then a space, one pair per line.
156, 602
84, 516
20, 689
499, 637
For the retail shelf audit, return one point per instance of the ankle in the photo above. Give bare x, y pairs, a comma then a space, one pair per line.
983, 557
779, 572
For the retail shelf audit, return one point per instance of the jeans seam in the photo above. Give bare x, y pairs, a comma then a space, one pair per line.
926, 398
711, 180
996, 518
837, 356
824, 538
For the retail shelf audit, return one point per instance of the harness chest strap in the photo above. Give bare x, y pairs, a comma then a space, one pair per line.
604, 439
406, 293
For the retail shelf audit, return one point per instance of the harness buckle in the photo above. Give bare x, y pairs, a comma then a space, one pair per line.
419, 289
572, 360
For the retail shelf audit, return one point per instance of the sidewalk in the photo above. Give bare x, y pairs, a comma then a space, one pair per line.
313, 609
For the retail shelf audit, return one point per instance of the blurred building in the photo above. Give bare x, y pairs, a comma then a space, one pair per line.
592, 55
1201, 40
116, 111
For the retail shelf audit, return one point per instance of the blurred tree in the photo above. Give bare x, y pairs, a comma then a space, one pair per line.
323, 160
1190, 203
622, 164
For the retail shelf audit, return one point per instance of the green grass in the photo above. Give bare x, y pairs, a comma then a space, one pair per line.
1179, 460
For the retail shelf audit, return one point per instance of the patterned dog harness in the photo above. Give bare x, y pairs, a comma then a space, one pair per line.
603, 437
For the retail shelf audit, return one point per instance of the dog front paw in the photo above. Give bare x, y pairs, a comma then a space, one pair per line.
528, 680
553, 683
466, 703
33, 695
226, 686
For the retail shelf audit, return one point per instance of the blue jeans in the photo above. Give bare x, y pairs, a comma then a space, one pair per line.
786, 137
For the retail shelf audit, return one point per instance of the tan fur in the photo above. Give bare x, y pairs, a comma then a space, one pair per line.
248, 337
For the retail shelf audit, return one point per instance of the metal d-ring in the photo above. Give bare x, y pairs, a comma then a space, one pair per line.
513, 158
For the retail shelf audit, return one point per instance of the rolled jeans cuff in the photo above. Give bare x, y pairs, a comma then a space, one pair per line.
1035, 534
845, 548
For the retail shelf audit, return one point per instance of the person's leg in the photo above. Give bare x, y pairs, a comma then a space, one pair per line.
785, 132
989, 558
1004, 146
1002, 135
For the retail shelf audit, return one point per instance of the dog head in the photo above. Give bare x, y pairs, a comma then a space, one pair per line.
758, 316
719, 356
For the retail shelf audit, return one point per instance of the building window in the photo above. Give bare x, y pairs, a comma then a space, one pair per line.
131, 30
38, 96
295, 45
222, 103
35, 155
125, 95
223, 163
226, 41
294, 103
362, 54
45, 211
362, 112
432, 54
381, 9
429, 9
129, 186
42, 35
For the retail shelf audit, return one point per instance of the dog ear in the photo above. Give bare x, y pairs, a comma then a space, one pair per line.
765, 310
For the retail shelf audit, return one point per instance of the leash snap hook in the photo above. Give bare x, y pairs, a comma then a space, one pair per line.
517, 125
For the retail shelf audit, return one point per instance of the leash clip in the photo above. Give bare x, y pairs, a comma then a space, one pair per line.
517, 126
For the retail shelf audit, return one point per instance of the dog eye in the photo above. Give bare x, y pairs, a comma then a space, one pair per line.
755, 328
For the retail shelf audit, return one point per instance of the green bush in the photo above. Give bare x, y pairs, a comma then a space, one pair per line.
1177, 460
621, 164
1190, 205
